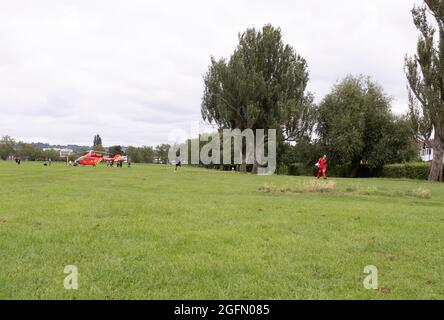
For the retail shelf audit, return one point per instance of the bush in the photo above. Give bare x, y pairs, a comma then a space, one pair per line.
300, 169
337, 171
415, 170
282, 169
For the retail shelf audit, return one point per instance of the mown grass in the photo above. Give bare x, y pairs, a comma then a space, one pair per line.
149, 233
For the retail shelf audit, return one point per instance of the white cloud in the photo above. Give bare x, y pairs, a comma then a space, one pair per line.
132, 70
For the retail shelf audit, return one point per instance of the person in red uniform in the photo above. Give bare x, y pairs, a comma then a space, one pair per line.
322, 167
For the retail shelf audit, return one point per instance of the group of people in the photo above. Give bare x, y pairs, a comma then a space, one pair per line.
118, 163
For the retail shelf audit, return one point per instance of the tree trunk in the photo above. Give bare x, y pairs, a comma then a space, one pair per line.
255, 163
355, 169
437, 163
255, 167
243, 166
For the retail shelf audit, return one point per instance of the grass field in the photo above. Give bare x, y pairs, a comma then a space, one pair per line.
148, 233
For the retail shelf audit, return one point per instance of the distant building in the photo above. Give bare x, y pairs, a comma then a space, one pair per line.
426, 153
63, 153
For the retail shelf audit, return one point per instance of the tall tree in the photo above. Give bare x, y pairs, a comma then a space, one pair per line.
97, 143
7, 145
115, 150
143, 154
261, 86
29, 151
356, 126
134, 154
425, 75
161, 152
147, 154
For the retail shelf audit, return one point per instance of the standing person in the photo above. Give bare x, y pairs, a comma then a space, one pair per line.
178, 163
322, 167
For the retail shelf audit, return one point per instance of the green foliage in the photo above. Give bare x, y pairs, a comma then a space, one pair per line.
282, 169
338, 171
415, 170
49, 154
261, 86
146, 154
399, 140
97, 143
424, 73
161, 152
309, 170
356, 126
306, 152
140, 154
6, 147
26, 151
115, 150
300, 169
29, 151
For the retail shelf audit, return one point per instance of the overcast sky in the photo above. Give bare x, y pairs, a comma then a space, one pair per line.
132, 70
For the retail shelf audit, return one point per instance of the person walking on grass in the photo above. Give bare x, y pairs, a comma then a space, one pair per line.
178, 163
322, 167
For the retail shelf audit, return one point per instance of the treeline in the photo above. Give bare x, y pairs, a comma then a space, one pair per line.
11, 149
263, 85
26, 151
355, 127
148, 154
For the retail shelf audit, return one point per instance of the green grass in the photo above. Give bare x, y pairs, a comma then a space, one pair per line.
149, 233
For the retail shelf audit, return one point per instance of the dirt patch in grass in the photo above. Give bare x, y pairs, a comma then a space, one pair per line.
384, 289
422, 193
330, 187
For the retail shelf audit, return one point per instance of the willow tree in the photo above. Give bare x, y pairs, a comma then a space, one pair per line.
261, 86
425, 74
356, 127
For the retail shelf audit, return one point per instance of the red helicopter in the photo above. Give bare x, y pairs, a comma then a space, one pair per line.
92, 158
116, 159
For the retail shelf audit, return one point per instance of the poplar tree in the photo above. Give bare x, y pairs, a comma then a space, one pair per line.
425, 75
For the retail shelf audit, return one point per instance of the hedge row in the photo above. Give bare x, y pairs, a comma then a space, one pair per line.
299, 169
416, 170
